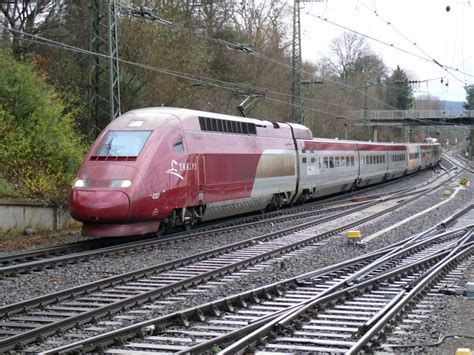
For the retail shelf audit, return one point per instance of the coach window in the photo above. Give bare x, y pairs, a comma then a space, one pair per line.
219, 126
325, 163
178, 146
304, 160
331, 162
352, 161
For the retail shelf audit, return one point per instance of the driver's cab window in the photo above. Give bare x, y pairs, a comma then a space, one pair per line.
178, 146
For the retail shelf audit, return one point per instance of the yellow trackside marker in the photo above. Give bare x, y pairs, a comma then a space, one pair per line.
464, 182
463, 351
353, 235
446, 192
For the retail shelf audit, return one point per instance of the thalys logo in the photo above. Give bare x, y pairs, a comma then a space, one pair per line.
177, 168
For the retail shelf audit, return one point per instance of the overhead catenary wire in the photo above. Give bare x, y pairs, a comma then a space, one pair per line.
201, 80
151, 15
391, 45
446, 68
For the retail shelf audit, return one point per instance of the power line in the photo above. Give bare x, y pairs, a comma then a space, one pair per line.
202, 80
152, 15
389, 23
206, 81
391, 45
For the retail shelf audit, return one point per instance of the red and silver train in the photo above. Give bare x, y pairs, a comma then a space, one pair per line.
156, 168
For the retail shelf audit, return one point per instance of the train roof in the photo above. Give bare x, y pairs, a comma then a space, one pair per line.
153, 118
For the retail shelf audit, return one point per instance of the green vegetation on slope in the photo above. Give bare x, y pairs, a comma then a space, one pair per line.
39, 150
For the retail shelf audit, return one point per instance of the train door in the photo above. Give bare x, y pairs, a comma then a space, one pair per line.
201, 177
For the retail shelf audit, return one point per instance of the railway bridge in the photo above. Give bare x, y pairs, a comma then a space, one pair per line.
412, 117
375, 118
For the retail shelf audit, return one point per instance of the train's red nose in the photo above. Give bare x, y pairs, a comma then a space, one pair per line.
99, 206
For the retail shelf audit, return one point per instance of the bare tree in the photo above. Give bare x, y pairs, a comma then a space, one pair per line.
350, 58
21, 16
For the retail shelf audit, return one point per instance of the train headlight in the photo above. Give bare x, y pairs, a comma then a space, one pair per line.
80, 183
121, 183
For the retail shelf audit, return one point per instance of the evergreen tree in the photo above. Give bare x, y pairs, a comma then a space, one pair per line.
469, 104
398, 92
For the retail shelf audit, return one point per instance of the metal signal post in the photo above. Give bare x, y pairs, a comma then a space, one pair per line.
297, 87
104, 79
297, 98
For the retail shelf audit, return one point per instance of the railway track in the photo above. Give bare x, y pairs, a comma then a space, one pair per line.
20, 263
24, 322
332, 309
34, 260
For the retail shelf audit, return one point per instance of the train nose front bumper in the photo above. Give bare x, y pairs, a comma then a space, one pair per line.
99, 206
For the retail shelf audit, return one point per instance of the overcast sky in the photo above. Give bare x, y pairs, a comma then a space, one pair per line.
446, 36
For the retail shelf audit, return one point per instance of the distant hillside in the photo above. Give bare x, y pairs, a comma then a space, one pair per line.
453, 108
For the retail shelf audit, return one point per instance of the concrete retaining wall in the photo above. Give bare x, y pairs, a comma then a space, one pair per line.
20, 214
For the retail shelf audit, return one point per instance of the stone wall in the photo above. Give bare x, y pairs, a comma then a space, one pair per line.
21, 214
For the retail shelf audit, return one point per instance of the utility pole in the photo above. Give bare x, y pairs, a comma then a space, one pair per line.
104, 79
366, 116
297, 87
471, 145
297, 94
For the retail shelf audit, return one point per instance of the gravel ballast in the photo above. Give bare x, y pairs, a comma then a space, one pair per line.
334, 250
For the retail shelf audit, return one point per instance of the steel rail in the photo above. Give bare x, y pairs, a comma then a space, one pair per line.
284, 321
48, 329
100, 341
132, 246
131, 331
13, 263
383, 319
86, 316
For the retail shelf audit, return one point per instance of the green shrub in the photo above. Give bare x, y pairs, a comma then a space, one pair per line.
39, 149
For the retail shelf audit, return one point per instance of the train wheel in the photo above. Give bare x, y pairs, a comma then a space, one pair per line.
161, 230
354, 186
190, 218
